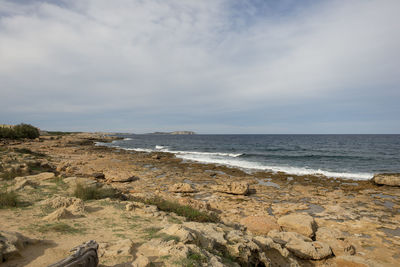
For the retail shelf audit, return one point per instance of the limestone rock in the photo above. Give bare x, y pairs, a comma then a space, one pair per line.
181, 188
299, 223
194, 203
41, 176
72, 204
118, 248
120, 176
336, 240
309, 250
11, 243
21, 182
301, 246
61, 213
184, 234
235, 188
392, 179
141, 261
260, 225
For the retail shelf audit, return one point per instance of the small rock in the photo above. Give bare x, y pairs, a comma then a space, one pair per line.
98, 175
299, 223
260, 225
392, 179
72, 204
235, 188
181, 188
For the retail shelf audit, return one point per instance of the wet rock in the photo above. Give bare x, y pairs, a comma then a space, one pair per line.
392, 179
260, 225
336, 240
235, 188
299, 223
11, 244
181, 188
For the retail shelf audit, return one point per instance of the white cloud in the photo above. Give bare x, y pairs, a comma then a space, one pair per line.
191, 56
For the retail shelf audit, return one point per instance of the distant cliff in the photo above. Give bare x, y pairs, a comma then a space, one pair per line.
176, 133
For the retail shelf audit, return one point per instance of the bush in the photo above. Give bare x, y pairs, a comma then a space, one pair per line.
85, 192
8, 199
186, 211
19, 131
11, 174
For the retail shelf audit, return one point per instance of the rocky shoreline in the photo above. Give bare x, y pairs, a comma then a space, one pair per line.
269, 219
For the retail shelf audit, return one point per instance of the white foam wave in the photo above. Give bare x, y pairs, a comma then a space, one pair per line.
231, 159
287, 169
127, 139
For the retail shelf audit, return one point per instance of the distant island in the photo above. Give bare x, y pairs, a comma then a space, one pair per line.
176, 133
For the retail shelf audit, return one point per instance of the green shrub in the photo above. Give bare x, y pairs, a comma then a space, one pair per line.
28, 151
19, 131
85, 192
8, 199
186, 211
11, 174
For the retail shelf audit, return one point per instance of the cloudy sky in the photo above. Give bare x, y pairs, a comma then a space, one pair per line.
211, 66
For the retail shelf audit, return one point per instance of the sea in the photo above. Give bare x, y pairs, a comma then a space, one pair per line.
356, 157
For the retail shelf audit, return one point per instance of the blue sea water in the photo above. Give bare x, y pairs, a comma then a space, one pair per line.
341, 156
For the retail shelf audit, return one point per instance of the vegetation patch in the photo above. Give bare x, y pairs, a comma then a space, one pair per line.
59, 133
182, 210
8, 199
85, 192
193, 260
11, 174
30, 152
19, 131
57, 227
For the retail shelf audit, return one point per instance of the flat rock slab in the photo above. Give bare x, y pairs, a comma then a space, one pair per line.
260, 225
391, 179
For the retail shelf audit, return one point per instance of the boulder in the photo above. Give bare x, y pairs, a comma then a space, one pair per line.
235, 188
300, 223
181, 188
301, 246
11, 243
309, 250
336, 240
392, 179
260, 225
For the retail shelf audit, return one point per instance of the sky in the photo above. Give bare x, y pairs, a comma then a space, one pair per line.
210, 66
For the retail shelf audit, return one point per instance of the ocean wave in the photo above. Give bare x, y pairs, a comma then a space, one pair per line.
307, 156
287, 169
127, 139
236, 160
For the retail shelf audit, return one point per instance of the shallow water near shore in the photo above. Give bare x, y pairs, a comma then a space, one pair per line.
356, 157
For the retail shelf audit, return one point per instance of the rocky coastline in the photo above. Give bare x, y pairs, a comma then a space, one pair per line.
264, 218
